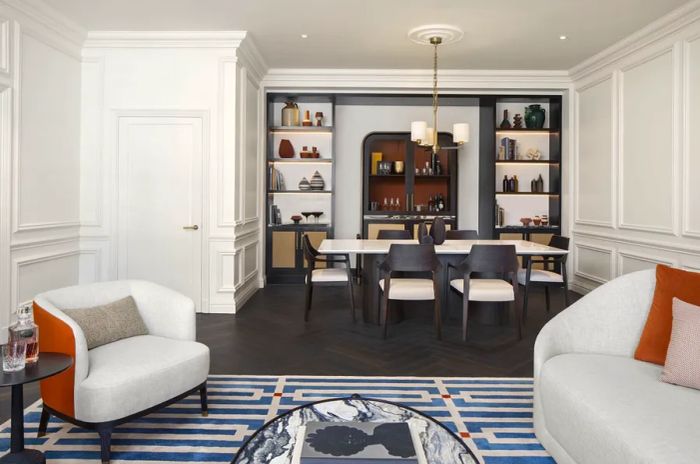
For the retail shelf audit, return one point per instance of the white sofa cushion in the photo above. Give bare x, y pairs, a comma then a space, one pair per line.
137, 373
410, 289
539, 275
603, 408
332, 274
486, 289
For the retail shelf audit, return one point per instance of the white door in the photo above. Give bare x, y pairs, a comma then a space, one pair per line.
160, 202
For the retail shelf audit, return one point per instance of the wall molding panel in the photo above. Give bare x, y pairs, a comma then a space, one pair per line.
691, 138
607, 253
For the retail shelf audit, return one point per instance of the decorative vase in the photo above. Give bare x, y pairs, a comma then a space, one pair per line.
286, 149
319, 118
437, 231
540, 183
534, 117
398, 167
304, 184
317, 182
505, 124
517, 121
290, 114
306, 122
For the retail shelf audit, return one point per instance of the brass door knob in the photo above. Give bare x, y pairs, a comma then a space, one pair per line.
194, 227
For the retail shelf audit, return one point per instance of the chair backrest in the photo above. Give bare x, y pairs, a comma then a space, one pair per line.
394, 234
500, 259
423, 237
310, 253
558, 241
411, 258
437, 231
461, 235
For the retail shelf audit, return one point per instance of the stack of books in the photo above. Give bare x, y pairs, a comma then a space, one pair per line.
358, 443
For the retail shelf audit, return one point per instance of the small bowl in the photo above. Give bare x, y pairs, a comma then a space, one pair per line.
537, 220
296, 218
526, 221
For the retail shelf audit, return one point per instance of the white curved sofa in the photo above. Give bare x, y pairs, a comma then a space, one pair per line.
594, 403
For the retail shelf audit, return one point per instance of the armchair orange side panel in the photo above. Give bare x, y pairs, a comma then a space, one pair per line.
56, 336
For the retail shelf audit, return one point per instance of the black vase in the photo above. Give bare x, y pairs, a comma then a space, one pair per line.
438, 231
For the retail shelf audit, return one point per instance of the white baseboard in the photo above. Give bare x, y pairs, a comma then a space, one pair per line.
244, 292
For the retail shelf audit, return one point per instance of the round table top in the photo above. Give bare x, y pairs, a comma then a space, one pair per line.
48, 364
276, 440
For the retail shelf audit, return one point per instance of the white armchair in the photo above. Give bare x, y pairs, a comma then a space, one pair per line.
117, 382
593, 402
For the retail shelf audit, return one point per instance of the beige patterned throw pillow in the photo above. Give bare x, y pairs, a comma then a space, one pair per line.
109, 322
683, 358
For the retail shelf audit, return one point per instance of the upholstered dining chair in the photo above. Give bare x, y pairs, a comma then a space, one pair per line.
461, 235
328, 276
393, 234
407, 260
498, 260
424, 237
553, 274
114, 382
437, 230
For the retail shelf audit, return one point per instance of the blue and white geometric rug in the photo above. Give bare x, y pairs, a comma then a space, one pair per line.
493, 415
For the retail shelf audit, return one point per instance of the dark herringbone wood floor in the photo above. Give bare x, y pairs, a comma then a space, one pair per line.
269, 336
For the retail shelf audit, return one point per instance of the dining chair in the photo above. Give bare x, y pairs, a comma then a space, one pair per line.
409, 259
553, 273
394, 234
329, 276
424, 237
500, 260
461, 235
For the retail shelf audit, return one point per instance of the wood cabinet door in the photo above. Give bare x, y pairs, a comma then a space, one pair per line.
374, 228
284, 249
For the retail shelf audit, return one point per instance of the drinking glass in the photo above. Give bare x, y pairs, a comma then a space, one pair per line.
13, 356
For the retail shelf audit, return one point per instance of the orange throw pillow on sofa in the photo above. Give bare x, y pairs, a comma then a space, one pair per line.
656, 336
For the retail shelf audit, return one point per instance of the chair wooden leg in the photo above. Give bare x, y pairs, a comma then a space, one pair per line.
352, 301
203, 400
525, 299
546, 297
43, 422
465, 316
309, 296
438, 319
385, 319
105, 443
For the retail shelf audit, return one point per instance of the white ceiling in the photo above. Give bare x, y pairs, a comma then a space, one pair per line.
498, 34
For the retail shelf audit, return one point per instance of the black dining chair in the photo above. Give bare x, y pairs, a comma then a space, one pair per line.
498, 260
553, 273
424, 237
437, 231
409, 259
328, 276
461, 235
394, 234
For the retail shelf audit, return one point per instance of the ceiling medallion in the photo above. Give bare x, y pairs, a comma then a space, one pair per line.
423, 34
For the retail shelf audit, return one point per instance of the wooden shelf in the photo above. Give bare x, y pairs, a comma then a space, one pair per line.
527, 162
300, 160
303, 129
530, 229
532, 131
441, 176
387, 175
305, 192
531, 194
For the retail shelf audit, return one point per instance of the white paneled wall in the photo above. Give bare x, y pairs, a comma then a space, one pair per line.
212, 78
39, 154
637, 153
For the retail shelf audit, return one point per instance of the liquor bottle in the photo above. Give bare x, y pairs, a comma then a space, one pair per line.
506, 184
26, 331
438, 167
511, 184
431, 203
441, 204
515, 179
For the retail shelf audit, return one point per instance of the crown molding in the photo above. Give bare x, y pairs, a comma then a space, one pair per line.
418, 79
252, 58
662, 27
50, 18
164, 39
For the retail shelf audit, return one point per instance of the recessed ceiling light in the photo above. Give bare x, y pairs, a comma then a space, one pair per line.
563, 37
305, 36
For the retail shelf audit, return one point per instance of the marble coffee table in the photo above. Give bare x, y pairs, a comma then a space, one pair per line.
275, 441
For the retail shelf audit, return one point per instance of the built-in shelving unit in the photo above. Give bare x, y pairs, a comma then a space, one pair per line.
285, 262
494, 166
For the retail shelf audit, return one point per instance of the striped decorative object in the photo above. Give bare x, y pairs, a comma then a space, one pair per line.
494, 416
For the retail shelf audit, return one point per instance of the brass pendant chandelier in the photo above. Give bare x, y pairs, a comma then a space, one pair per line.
421, 133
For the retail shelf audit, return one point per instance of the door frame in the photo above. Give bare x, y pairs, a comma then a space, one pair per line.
119, 190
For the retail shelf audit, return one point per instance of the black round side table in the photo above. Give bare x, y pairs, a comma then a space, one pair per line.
49, 364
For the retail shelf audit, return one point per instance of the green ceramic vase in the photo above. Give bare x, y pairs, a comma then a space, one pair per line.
534, 117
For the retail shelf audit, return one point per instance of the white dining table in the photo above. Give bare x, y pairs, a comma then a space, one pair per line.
372, 252
455, 247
